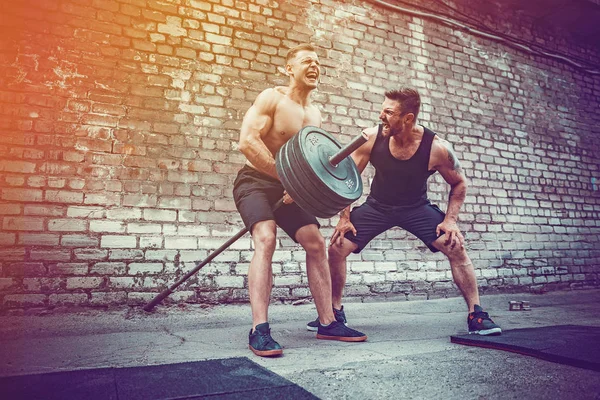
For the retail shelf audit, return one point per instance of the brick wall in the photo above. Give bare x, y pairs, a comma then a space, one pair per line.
119, 122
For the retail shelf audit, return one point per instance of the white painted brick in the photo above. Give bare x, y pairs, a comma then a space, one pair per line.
181, 243
159, 215
162, 255
362, 266
169, 229
107, 226
118, 241
79, 241
287, 280
229, 281
242, 268
84, 282
193, 256
432, 276
145, 268
395, 276
108, 268
67, 225
193, 230
124, 213
373, 278
124, 282
38, 239
416, 275
86, 212
228, 256
143, 227
212, 244
489, 273
151, 242
50, 255
385, 266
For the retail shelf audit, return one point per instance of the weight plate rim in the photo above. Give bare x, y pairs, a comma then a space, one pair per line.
291, 188
319, 186
351, 196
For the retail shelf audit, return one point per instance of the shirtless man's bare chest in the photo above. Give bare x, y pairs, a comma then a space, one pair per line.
289, 117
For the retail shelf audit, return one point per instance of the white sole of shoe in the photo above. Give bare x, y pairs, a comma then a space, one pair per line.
314, 328
486, 332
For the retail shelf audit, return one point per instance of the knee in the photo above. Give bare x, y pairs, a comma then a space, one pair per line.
336, 252
457, 255
264, 240
315, 245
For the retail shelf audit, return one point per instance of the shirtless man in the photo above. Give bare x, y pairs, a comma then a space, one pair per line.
276, 115
404, 155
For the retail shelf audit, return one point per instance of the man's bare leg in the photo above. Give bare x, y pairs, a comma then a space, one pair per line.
463, 272
337, 264
317, 269
260, 273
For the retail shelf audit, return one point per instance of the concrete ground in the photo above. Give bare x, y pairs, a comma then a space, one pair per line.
408, 354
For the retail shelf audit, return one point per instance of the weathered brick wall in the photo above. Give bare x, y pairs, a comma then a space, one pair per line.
119, 121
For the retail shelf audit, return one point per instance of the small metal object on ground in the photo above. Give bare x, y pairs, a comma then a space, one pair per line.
519, 306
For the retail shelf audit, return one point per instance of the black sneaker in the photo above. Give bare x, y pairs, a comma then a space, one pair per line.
340, 316
338, 331
480, 323
261, 343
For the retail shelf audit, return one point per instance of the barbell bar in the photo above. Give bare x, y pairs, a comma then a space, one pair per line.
312, 159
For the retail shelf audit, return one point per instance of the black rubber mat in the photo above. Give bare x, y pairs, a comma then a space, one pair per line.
231, 378
565, 344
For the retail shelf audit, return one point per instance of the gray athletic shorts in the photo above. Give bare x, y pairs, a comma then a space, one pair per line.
255, 194
372, 218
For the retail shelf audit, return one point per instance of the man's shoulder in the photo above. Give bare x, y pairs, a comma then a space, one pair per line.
427, 130
273, 92
269, 98
442, 151
440, 143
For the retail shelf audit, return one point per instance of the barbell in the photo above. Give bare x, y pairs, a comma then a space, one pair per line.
316, 172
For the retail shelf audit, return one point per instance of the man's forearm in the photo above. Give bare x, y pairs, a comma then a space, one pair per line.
345, 213
457, 196
260, 157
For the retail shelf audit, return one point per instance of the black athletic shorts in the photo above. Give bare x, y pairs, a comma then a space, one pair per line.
372, 218
255, 194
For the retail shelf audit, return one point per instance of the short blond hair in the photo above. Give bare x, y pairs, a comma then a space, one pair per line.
296, 49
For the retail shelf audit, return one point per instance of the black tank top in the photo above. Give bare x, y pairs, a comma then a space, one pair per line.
401, 182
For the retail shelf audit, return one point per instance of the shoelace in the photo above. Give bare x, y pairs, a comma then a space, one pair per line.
481, 316
266, 337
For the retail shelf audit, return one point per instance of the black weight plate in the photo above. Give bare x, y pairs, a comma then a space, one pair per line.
305, 172
318, 197
293, 186
325, 198
343, 180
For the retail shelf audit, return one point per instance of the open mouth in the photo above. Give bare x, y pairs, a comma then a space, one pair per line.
312, 75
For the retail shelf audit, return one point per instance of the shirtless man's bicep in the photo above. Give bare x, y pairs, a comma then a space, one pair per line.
257, 123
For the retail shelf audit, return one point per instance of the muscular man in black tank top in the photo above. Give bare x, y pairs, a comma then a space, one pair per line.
404, 155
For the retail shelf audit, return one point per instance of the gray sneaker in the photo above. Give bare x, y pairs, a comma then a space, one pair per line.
340, 316
480, 323
338, 331
261, 343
